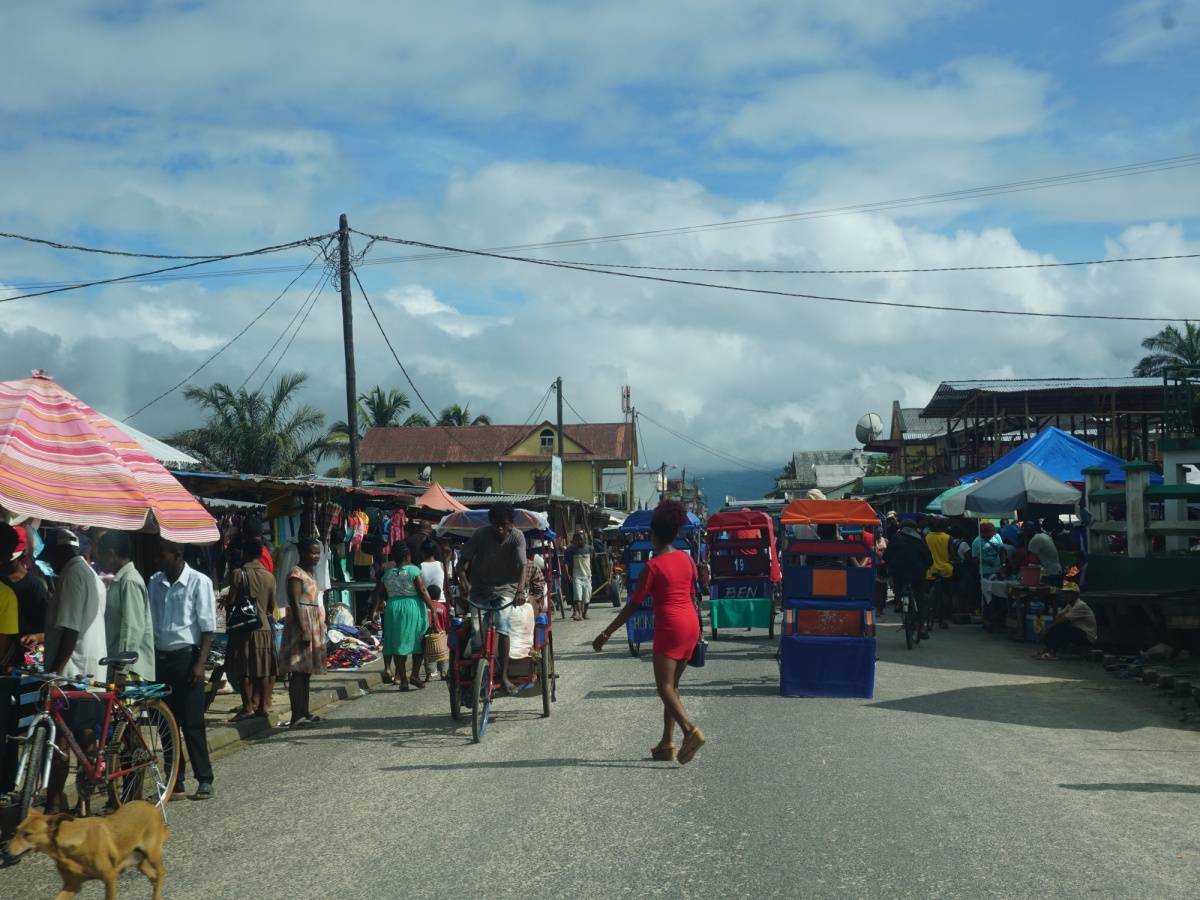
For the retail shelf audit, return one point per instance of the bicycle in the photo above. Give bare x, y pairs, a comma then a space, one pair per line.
937, 598
137, 750
909, 615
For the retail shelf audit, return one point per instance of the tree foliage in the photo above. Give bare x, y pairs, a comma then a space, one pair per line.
376, 409
264, 432
1171, 347
461, 415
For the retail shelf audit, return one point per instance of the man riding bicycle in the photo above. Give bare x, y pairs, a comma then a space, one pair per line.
908, 559
492, 573
939, 572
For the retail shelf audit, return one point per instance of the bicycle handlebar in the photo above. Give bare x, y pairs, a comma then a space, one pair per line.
489, 607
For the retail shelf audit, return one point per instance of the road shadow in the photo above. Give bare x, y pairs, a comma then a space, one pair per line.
763, 687
968, 648
1051, 704
1148, 787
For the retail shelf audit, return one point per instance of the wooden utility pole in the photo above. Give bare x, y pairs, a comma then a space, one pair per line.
348, 345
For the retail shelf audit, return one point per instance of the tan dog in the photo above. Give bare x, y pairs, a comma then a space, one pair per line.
97, 848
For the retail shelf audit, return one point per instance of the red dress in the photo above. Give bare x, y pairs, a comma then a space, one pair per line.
670, 580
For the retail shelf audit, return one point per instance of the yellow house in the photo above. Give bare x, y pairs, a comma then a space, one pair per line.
598, 460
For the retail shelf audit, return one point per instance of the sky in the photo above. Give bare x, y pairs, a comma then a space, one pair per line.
215, 128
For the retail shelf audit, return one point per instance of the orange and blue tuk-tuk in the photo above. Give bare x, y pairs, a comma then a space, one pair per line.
744, 571
827, 647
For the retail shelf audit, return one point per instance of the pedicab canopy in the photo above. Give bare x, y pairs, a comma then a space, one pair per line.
746, 525
466, 522
829, 512
639, 520
62, 461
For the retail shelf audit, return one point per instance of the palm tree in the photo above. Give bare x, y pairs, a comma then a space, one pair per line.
461, 415
265, 432
1171, 347
376, 409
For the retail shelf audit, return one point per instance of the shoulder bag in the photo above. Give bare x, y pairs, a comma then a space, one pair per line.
243, 615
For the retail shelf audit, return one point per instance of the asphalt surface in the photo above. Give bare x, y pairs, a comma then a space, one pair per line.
974, 772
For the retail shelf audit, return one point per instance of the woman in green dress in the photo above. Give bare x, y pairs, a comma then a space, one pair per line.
404, 606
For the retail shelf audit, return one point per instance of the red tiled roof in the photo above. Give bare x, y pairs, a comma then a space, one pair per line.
487, 443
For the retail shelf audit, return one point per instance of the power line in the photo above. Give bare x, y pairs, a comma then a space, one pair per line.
720, 454
57, 246
772, 293
139, 275
574, 410
225, 347
449, 430
1053, 265
287, 327
288, 345
1070, 178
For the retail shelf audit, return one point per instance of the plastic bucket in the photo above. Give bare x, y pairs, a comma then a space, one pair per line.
1031, 576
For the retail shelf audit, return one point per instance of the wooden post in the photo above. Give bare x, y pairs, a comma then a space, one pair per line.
348, 348
1137, 510
1094, 481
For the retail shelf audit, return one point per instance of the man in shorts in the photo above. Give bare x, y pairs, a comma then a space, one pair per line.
492, 572
579, 566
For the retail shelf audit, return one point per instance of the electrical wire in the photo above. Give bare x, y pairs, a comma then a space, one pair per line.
1054, 265
574, 410
57, 246
225, 347
1084, 177
287, 327
139, 275
720, 454
288, 346
448, 429
793, 294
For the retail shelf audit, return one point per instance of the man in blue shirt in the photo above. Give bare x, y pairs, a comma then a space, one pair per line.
184, 611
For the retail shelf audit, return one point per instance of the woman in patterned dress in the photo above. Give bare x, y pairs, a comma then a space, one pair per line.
303, 650
404, 604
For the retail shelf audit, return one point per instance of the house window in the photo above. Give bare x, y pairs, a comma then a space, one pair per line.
389, 472
546, 440
541, 484
478, 485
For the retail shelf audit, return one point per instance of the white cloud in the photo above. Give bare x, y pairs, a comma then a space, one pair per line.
420, 303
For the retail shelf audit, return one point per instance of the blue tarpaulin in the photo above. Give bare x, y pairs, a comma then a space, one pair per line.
1059, 454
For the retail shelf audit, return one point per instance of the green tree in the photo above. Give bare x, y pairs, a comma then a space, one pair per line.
461, 415
376, 409
1171, 347
264, 432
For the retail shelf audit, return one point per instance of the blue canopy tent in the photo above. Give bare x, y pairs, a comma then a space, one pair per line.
1059, 454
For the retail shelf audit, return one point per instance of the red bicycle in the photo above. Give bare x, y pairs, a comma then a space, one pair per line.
474, 676
133, 740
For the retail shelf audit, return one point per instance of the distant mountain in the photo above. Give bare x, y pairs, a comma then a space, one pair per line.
737, 483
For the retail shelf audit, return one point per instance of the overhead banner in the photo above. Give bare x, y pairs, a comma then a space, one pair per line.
556, 487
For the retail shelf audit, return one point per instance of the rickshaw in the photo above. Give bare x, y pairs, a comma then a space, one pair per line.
635, 532
827, 648
546, 544
744, 571
473, 676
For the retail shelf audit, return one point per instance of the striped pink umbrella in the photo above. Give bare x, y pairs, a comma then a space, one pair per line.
62, 461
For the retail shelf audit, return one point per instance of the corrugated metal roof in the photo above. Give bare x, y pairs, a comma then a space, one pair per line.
489, 443
1014, 385
1045, 396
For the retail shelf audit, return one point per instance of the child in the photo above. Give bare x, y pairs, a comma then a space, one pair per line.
439, 621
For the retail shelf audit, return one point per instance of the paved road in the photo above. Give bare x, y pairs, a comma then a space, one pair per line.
974, 772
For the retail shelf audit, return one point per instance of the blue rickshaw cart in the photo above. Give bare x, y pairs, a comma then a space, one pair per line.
827, 648
635, 532
744, 571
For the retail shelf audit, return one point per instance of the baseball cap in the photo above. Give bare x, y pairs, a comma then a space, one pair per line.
59, 537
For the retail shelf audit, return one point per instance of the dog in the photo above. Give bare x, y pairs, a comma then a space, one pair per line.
94, 849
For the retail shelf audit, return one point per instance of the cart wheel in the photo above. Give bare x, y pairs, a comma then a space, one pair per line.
635, 649
714, 633
481, 702
546, 673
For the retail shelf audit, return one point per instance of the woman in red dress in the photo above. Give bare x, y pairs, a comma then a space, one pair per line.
669, 578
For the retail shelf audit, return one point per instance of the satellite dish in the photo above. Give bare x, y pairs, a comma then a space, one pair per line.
426, 474
869, 427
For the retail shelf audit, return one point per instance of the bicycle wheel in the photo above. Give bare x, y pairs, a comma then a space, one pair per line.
546, 674
35, 765
614, 588
144, 755
932, 606
481, 702
908, 622
455, 690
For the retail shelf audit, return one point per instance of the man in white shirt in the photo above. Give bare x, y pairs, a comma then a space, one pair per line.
184, 611
1075, 625
75, 640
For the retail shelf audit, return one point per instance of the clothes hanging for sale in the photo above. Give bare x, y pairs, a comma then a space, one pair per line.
395, 530
288, 559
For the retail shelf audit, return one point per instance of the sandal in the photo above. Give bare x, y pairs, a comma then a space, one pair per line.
241, 717
388, 678
403, 685
693, 742
510, 689
1045, 657
663, 754
416, 682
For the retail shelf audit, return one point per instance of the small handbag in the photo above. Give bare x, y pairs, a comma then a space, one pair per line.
699, 653
243, 616
437, 646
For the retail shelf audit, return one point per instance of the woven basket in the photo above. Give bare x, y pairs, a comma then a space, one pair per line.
437, 646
